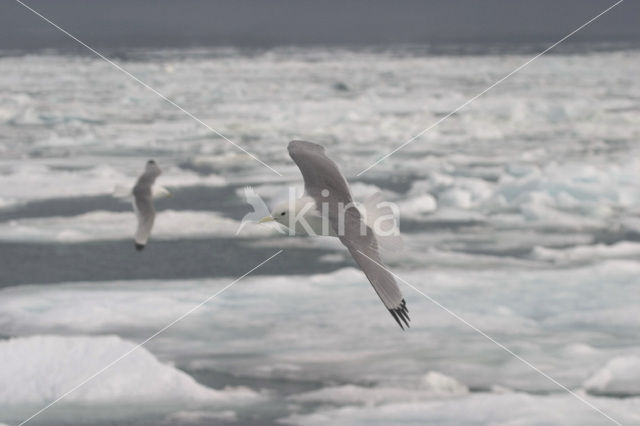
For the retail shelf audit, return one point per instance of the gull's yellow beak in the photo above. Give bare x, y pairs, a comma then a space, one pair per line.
266, 219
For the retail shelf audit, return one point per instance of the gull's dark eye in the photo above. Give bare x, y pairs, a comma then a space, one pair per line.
283, 213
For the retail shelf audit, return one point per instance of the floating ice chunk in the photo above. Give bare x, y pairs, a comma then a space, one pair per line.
575, 350
432, 385
436, 182
361, 191
33, 181
592, 252
273, 191
199, 417
460, 198
620, 376
451, 215
454, 191
6, 202
417, 207
332, 258
104, 225
441, 384
26, 182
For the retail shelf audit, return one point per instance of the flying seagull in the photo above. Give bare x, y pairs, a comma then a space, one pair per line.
328, 195
143, 193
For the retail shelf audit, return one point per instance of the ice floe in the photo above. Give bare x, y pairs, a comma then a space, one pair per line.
105, 225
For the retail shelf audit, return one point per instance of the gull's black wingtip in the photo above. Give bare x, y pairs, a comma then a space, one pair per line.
139, 247
401, 314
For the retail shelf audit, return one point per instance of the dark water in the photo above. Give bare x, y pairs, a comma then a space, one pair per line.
252, 23
25, 263
222, 200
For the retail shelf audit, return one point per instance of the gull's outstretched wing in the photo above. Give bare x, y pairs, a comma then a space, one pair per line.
260, 209
143, 205
326, 185
320, 173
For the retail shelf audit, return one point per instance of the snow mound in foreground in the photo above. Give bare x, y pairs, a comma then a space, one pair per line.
39, 369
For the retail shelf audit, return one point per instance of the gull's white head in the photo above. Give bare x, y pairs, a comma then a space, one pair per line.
281, 214
152, 168
284, 213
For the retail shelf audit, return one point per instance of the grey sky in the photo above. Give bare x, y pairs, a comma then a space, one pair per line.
138, 23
